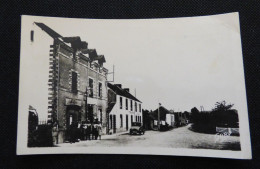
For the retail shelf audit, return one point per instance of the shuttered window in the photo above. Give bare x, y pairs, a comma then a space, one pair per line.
100, 89
126, 104
90, 84
74, 84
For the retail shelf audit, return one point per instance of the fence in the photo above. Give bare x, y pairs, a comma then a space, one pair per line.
41, 136
231, 131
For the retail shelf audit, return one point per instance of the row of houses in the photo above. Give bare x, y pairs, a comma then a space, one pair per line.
163, 119
79, 90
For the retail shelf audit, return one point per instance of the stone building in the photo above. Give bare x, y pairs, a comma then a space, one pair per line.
77, 82
123, 108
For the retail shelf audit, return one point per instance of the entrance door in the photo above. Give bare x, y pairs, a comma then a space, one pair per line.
110, 122
90, 116
73, 115
114, 123
126, 122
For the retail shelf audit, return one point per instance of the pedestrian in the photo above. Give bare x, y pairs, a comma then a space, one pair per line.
55, 133
99, 130
94, 132
78, 134
88, 131
72, 132
84, 131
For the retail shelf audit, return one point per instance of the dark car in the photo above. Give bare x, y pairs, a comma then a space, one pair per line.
136, 128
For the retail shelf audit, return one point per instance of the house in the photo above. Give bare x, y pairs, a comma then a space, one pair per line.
124, 108
77, 80
166, 119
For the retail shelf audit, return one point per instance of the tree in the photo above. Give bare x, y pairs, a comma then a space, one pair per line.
194, 114
222, 106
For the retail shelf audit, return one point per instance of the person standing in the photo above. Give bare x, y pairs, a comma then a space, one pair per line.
99, 127
71, 133
94, 132
88, 131
55, 133
84, 131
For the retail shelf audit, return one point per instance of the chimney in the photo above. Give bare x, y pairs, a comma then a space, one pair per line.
118, 85
126, 89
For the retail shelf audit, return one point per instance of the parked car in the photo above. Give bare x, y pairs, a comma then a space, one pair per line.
136, 128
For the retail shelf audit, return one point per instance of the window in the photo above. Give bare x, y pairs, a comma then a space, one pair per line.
140, 118
100, 90
131, 119
135, 106
131, 105
126, 104
32, 32
140, 109
121, 102
110, 121
90, 85
100, 115
121, 120
136, 120
74, 85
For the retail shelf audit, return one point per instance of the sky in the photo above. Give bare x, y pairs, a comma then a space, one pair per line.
179, 62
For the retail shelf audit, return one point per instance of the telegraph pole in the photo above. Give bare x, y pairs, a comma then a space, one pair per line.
159, 116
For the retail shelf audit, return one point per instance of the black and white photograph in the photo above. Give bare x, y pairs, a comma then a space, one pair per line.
171, 86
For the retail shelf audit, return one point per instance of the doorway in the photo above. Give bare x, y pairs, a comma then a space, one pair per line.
73, 115
114, 123
126, 122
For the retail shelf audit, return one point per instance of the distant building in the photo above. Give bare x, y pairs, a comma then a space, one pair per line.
123, 108
167, 118
77, 81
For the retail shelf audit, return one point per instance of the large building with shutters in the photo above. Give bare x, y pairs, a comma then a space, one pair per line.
77, 82
123, 107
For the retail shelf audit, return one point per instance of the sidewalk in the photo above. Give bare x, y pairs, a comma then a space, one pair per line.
91, 142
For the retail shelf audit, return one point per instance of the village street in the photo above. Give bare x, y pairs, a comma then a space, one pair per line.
181, 137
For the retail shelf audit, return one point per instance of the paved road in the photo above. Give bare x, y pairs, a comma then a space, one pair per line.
181, 137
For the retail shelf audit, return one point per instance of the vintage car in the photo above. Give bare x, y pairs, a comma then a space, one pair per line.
136, 128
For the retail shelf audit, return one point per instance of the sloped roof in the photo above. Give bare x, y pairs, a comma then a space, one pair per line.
163, 112
48, 30
122, 92
75, 42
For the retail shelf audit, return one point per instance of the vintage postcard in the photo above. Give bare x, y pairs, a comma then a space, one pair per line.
172, 86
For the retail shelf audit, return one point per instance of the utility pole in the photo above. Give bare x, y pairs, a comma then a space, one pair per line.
113, 74
159, 116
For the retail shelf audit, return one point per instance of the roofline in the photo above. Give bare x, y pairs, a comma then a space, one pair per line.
124, 91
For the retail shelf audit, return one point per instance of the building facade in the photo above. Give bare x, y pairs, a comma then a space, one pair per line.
167, 119
124, 109
77, 83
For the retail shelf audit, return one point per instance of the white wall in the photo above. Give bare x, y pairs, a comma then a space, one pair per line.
170, 119
117, 111
35, 69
